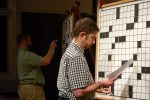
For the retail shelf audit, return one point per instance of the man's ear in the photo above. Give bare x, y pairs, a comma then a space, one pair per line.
24, 41
82, 34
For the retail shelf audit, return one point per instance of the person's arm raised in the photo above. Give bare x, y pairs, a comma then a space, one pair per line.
49, 55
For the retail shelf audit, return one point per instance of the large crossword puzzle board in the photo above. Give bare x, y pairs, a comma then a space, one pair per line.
125, 34
67, 29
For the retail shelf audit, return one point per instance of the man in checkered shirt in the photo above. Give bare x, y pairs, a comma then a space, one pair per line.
75, 81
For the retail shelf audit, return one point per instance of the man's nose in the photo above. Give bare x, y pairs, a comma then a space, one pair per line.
93, 41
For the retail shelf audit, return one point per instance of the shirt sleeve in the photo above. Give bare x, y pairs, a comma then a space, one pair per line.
32, 59
79, 75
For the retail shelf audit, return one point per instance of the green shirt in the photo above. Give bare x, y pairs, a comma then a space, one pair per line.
28, 67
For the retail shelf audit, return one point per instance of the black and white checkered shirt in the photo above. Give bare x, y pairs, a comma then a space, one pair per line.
74, 73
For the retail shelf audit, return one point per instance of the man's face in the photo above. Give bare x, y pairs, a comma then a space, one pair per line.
29, 41
89, 40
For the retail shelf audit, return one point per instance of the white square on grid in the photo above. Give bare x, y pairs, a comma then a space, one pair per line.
144, 18
141, 12
138, 95
141, 6
143, 96
145, 5
147, 85
145, 11
140, 18
128, 8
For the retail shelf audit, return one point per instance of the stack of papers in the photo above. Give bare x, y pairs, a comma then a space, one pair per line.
117, 72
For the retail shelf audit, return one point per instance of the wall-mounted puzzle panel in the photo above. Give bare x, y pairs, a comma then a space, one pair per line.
125, 34
67, 29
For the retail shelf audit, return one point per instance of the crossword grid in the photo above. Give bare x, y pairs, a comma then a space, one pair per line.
125, 34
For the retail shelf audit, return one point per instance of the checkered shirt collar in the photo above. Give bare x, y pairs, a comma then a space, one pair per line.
77, 47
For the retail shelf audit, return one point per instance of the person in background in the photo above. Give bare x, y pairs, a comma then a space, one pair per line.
31, 78
75, 81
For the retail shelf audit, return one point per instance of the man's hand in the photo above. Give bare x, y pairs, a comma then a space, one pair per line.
106, 83
53, 44
103, 90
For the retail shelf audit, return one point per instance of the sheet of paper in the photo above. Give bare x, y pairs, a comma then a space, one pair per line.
117, 72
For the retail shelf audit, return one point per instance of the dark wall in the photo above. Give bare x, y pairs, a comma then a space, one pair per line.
44, 28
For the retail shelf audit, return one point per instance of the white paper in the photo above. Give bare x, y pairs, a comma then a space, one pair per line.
117, 72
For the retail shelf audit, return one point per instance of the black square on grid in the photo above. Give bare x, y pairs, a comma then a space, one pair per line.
118, 13
145, 70
136, 10
131, 65
148, 24
107, 34
120, 76
129, 26
138, 76
109, 57
123, 62
116, 39
110, 28
135, 57
101, 74
135, 19
130, 91
104, 35
112, 88
139, 44
122, 39
113, 46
